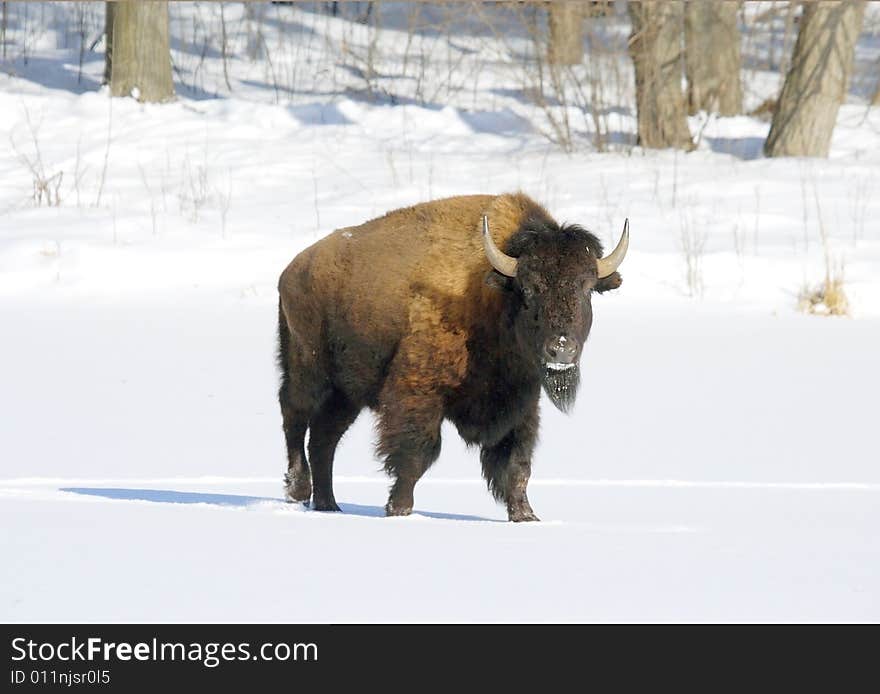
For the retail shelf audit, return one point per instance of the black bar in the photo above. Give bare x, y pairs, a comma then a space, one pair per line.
449, 655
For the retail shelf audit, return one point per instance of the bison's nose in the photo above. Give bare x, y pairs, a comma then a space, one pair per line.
560, 349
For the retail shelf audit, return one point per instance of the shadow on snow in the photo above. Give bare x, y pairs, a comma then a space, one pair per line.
170, 496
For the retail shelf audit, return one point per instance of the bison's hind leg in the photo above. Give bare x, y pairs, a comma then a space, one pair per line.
309, 402
297, 405
326, 428
297, 479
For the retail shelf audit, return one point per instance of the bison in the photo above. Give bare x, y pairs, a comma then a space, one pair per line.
421, 316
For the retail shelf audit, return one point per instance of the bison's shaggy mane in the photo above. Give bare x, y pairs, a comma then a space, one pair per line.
533, 227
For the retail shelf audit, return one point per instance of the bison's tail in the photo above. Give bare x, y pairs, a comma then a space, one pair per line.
283, 355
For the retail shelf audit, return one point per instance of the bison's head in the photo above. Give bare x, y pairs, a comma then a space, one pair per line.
550, 276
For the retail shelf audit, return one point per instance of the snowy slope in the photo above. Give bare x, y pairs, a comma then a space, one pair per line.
728, 471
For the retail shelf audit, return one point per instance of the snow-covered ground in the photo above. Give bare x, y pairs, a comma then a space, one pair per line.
728, 471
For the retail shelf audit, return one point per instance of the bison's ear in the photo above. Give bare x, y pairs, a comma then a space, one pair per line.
613, 281
496, 280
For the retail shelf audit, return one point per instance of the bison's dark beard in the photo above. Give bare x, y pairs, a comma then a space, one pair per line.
561, 386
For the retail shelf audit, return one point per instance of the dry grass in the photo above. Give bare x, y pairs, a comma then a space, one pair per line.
46, 186
826, 299
693, 243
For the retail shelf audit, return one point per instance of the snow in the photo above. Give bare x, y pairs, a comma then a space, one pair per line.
611, 551
720, 462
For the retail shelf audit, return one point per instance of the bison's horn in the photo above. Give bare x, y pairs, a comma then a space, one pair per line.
502, 262
605, 266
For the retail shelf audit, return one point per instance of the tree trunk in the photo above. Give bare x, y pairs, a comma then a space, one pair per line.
817, 82
712, 57
785, 60
655, 48
566, 21
141, 61
108, 40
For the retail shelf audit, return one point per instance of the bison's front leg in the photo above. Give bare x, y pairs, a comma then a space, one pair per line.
507, 466
409, 439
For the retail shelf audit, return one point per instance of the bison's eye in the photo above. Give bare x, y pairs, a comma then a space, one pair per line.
528, 293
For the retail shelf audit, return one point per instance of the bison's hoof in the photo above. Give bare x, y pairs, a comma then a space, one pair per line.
329, 505
394, 510
297, 490
522, 516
